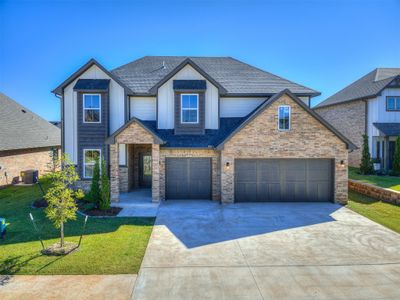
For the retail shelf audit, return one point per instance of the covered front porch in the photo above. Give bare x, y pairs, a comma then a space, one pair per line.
384, 145
134, 163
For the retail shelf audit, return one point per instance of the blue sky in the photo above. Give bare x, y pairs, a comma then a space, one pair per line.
322, 44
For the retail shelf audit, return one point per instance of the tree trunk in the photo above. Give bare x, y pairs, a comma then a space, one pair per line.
62, 235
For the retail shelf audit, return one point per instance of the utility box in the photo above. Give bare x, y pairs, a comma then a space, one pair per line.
30, 176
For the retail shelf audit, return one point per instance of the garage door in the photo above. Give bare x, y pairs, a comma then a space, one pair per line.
188, 178
289, 180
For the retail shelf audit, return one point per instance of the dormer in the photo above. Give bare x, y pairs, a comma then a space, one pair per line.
188, 100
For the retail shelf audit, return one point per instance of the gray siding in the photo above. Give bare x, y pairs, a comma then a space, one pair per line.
189, 128
93, 135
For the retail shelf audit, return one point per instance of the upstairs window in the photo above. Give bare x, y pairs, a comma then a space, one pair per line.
189, 108
90, 158
393, 103
91, 108
284, 117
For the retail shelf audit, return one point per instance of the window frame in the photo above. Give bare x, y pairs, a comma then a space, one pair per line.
84, 161
290, 118
197, 109
84, 109
396, 99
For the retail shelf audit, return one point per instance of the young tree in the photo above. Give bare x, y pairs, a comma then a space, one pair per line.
396, 158
366, 166
60, 196
105, 201
54, 164
95, 192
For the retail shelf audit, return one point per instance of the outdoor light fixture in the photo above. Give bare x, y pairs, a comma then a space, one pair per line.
342, 163
227, 165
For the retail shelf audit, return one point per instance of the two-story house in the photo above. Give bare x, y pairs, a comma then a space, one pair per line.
202, 128
371, 106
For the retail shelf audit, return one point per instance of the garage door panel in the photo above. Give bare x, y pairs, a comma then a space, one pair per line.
246, 191
268, 171
247, 171
188, 178
320, 191
292, 180
268, 192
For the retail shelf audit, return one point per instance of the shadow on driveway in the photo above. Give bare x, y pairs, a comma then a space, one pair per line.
214, 223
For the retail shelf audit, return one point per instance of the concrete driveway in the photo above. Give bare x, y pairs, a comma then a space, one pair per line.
202, 250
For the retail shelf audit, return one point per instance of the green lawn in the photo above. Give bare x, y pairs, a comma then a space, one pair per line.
390, 182
380, 212
110, 246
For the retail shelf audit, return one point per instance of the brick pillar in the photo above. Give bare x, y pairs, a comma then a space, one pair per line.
114, 172
227, 179
155, 179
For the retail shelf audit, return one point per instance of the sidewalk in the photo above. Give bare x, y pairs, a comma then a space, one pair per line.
32, 287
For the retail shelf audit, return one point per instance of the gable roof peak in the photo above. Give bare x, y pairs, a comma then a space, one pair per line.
59, 90
274, 98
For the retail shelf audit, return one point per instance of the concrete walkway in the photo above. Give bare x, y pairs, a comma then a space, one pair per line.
202, 250
74, 287
137, 203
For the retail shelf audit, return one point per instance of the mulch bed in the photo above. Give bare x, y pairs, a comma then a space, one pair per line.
95, 212
40, 203
56, 250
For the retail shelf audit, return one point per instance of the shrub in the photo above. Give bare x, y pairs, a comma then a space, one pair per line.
366, 166
95, 193
396, 158
105, 200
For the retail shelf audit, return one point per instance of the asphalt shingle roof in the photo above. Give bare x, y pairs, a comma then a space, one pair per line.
212, 137
233, 75
21, 129
388, 129
367, 86
92, 84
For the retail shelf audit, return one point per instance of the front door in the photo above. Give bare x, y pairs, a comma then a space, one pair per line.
145, 170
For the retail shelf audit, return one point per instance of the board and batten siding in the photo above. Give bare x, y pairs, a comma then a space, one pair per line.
117, 110
143, 108
238, 107
166, 100
377, 112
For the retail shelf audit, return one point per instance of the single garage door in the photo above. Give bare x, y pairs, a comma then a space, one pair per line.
188, 178
289, 180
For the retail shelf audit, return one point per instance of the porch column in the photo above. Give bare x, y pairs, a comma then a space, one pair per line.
155, 178
386, 154
114, 172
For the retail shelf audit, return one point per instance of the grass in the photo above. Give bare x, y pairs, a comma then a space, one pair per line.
390, 182
109, 246
380, 212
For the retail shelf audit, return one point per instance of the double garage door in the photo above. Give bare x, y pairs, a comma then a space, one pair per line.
256, 180
188, 178
287, 180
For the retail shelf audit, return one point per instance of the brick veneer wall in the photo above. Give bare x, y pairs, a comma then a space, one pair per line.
308, 138
349, 119
215, 165
14, 161
374, 191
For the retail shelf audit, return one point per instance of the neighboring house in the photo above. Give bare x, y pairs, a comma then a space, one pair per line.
25, 141
56, 123
370, 105
202, 128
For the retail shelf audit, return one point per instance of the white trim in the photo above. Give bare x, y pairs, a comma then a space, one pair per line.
83, 107
290, 117
197, 109
84, 163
